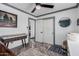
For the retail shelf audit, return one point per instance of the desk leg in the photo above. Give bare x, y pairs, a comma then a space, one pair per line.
25, 42
22, 43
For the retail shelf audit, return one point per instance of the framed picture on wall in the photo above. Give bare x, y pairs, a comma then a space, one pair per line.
8, 19
64, 22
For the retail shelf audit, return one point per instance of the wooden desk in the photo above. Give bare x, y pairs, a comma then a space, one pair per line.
10, 38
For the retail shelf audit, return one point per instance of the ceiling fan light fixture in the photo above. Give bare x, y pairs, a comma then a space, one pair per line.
38, 7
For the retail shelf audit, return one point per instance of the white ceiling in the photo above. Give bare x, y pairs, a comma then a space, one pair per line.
28, 7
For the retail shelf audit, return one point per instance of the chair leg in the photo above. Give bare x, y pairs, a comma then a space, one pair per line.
7, 44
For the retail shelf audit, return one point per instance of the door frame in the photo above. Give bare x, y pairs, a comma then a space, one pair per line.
34, 28
47, 18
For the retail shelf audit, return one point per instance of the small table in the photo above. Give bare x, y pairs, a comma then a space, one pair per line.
10, 38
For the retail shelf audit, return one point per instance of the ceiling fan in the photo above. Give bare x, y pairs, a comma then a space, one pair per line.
39, 5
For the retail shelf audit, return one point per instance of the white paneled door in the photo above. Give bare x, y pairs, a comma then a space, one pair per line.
44, 31
48, 31
39, 30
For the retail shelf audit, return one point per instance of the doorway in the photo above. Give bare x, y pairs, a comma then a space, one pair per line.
32, 26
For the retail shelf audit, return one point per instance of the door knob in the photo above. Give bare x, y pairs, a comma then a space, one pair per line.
41, 32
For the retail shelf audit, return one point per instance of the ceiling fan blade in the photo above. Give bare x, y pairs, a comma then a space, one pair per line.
38, 3
47, 6
33, 10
